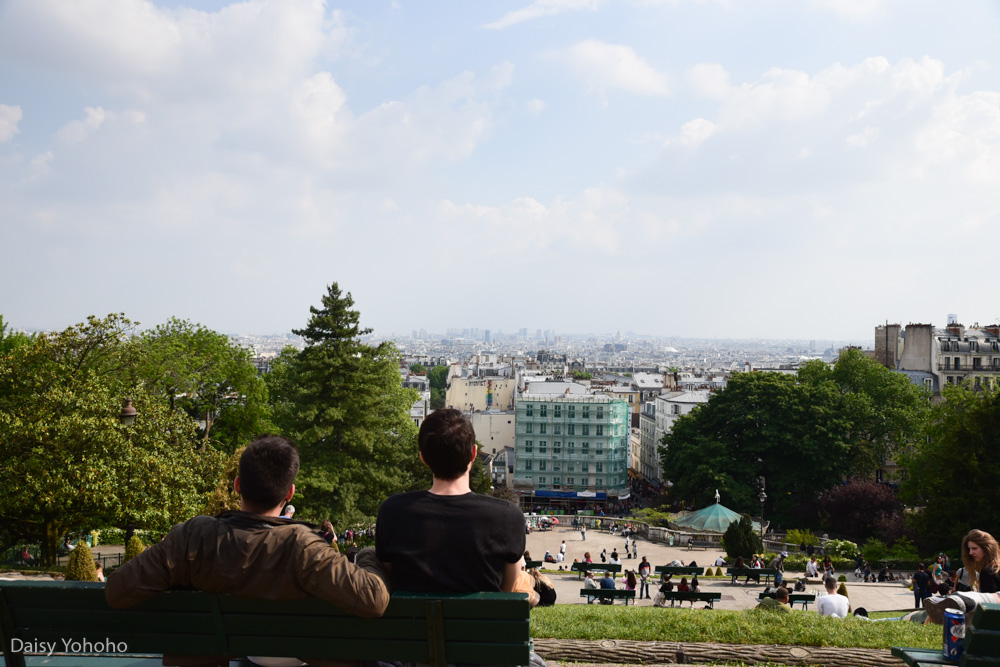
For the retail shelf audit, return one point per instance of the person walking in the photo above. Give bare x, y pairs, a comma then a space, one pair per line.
644, 572
583, 530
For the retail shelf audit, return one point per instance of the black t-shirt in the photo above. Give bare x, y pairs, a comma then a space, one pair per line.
921, 581
989, 581
453, 544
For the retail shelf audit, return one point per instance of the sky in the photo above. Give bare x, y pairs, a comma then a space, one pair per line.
697, 168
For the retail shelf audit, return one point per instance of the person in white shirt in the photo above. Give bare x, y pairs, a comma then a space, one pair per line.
833, 604
812, 568
720, 561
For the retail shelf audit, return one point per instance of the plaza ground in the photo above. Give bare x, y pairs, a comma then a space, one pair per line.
873, 597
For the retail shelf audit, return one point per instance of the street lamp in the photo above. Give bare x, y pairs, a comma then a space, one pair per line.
127, 419
762, 497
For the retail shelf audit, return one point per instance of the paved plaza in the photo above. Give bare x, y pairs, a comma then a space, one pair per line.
873, 597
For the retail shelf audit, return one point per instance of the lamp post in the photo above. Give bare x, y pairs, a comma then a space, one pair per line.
762, 497
127, 419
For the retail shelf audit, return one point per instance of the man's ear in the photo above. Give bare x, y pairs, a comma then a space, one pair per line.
475, 451
236, 485
291, 492
422, 459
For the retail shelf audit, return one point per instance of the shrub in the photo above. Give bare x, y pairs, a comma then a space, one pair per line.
81, 564
841, 548
741, 540
132, 549
796, 536
718, 571
874, 550
903, 550
842, 588
842, 579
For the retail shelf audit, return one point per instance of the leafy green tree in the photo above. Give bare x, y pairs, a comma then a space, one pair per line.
342, 401
438, 377
209, 377
479, 478
886, 410
67, 461
950, 482
10, 339
741, 540
763, 424
418, 368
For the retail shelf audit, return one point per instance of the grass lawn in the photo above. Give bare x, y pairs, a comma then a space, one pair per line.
727, 627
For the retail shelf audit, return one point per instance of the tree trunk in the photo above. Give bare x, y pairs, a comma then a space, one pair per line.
635, 652
51, 532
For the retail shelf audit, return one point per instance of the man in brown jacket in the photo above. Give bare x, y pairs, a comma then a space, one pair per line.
253, 553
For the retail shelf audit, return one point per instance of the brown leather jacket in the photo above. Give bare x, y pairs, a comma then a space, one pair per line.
251, 556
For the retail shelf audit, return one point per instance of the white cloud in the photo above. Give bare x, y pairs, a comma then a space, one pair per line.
694, 132
710, 80
863, 138
854, 10
76, 131
535, 106
10, 116
604, 67
541, 8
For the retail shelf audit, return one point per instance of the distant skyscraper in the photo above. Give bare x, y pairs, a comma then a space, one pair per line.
486, 336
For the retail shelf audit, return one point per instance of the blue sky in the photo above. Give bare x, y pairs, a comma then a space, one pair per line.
799, 169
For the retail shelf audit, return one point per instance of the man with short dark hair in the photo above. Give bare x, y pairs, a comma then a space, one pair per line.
253, 553
778, 603
449, 539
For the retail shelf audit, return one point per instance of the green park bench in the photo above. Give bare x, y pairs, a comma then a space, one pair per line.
607, 594
752, 572
688, 596
701, 544
532, 564
805, 599
596, 568
479, 628
981, 644
683, 570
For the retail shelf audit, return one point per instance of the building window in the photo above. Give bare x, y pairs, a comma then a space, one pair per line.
947, 363
528, 427
675, 409
543, 410
585, 467
586, 429
541, 481
570, 429
527, 464
529, 410
557, 447
557, 429
527, 446
599, 467
586, 447
951, 380
958, 363
600, 412
977, 382
571, 411
541, 465
977, 363
541, 428
571, 445
600, 429
543, 447
570, 481
555, 481
586, 412
556, 411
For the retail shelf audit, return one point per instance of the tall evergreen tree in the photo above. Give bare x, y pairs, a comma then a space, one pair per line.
343, 403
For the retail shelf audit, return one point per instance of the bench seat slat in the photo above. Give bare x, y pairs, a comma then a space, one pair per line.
121, 620
987, 617
352, 628
982, 642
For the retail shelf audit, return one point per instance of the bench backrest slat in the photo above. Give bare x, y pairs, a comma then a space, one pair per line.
480, 628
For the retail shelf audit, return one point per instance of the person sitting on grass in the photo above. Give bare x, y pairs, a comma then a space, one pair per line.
833, 604
778, 603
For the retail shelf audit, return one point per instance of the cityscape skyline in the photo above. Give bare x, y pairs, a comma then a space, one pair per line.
793, 170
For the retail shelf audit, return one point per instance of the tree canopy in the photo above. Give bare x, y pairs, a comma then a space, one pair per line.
342, 401
951, 472
803, 433
68, 462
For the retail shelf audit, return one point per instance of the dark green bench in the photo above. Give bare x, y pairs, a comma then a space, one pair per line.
678, 570
687, 596
607, 594
759, 573
701, 544
805, 599
981, 644
479, 628
532, 564
595, 567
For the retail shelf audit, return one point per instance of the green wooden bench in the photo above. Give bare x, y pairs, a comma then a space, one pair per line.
701, 544
532, 564
981, 644
752, 572
479, 628
595, 567
678, 570
687, 596
805, 599
607, 594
